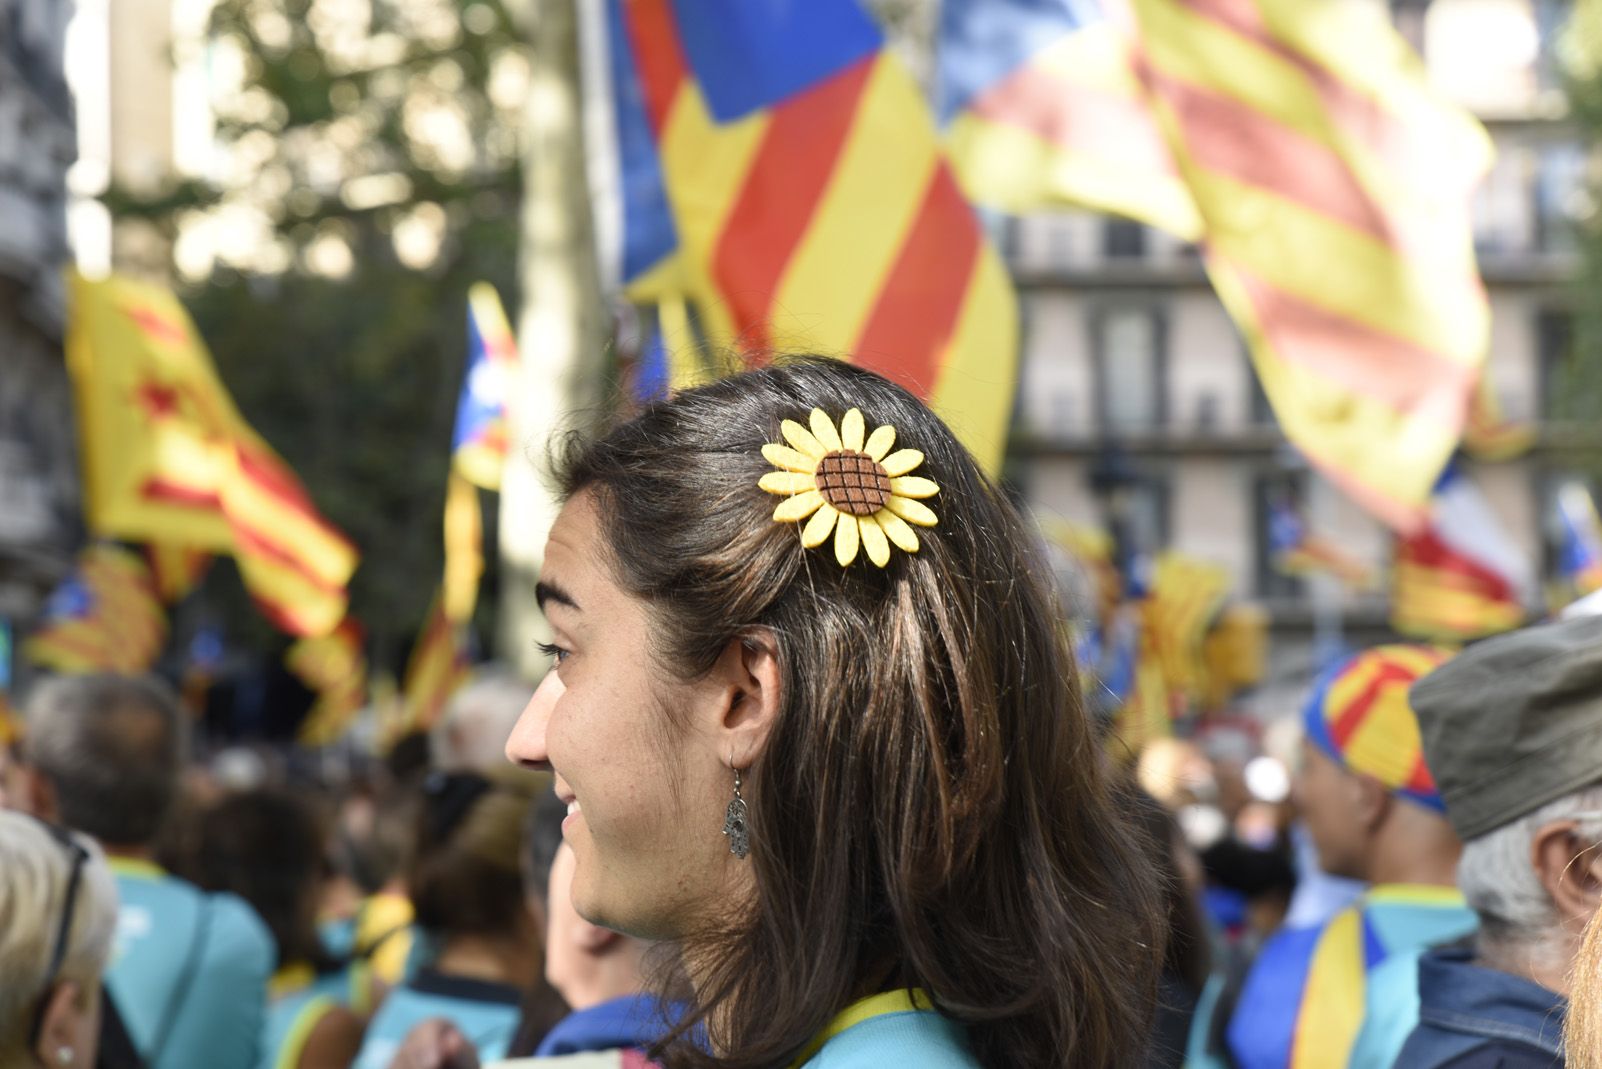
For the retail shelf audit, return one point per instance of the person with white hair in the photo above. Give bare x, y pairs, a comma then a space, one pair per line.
471, 735
58, 912
1513, 731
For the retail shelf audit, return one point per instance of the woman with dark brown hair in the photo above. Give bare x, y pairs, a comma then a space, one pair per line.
815, 721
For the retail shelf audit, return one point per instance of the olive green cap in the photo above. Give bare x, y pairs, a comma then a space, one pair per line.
1514, 722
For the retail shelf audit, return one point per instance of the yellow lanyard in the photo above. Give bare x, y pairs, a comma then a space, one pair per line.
867, 1009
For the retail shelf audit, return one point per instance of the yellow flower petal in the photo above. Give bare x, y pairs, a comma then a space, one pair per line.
787, 482
851, 429
823, 430
846, 539
820, 526
798, 507
874, 541
802, 439
913, 486
894, 526
781, 456
901, 461
911, 511
880, 441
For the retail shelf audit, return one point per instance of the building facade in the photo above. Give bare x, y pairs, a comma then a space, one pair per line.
1125, 342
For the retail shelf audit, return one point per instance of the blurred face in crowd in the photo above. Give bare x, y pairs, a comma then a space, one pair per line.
1330, 800
639, 754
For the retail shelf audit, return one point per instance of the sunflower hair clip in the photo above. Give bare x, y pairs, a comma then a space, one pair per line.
853, 488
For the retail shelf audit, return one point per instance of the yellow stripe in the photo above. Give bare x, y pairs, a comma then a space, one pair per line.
1429, 302
1397, 457
1332, 1001
703, 167
1416, 894
1386, 743
978, 371
136, 868
834, 279
295, 1042
903, 1001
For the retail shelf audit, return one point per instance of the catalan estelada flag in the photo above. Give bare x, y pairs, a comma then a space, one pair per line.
1460, 576
167, 458
1296, 550
1334, 189
438, 666
1042, 105
334, 666
777, 166
479, 445
105, 617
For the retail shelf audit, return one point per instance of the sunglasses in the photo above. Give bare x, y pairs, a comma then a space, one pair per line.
77, 856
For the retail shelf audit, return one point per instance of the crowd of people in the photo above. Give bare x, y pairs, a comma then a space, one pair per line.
811, 782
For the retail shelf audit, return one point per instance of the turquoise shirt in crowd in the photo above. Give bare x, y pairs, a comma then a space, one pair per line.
188, 971
298, 999
898, 1028
485, 1013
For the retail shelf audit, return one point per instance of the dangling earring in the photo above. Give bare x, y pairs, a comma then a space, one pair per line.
734, 822
64, 1055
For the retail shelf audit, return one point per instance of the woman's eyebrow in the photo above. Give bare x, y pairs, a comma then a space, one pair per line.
546, 592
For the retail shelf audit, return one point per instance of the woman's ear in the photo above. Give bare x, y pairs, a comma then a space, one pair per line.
1568, 871
63, 1030
750, 678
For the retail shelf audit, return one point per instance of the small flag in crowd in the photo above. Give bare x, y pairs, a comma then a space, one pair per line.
1298, 551
438, 666
105, 617
176, 570
1580, 548
1186, 597
168, 459
480, 442
1461, 576
334, 666
776, 164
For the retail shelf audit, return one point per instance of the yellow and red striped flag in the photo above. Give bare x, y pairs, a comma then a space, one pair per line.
1334, 187
777, 165
334, 666
104, 618
168, 459
176, 570
1186, 597
437, 667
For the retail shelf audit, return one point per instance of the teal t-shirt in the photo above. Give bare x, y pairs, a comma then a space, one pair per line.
486, 1013
189, 971
886, 1030
297, 1000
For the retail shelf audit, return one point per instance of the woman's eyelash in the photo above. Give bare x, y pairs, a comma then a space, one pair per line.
555, 652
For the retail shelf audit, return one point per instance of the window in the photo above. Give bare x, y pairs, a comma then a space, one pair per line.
1129, 345
1554, 334
1122, 239
1559, 194
1275, 492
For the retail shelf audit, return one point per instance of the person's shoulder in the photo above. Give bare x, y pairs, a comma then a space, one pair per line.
237, 930
912, 1037
1504, 1054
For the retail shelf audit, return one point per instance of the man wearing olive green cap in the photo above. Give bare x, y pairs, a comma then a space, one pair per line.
1512, 731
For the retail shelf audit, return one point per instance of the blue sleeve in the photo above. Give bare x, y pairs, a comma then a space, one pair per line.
1263, 1029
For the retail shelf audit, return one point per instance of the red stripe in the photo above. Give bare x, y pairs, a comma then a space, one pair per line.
781, 191
1427, 550
658, 56
254, 543
1351, 717
1422, 152
1078, 118
273, 476
172, 493
923, 297
1407, 377
281, 617
1421, 780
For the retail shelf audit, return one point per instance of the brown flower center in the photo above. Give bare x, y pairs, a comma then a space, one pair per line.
853, 482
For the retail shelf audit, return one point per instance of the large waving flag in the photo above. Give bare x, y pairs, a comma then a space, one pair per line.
1042, 105
479, 445
168, 459
1334, 188
105, 617
776, 164
1459, 577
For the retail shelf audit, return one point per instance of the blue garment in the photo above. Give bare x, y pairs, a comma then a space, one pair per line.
921, 1038
634, 1021
188, 971
485, 1013
1313, 982
1392, 1012
1465, 1008
298, 998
